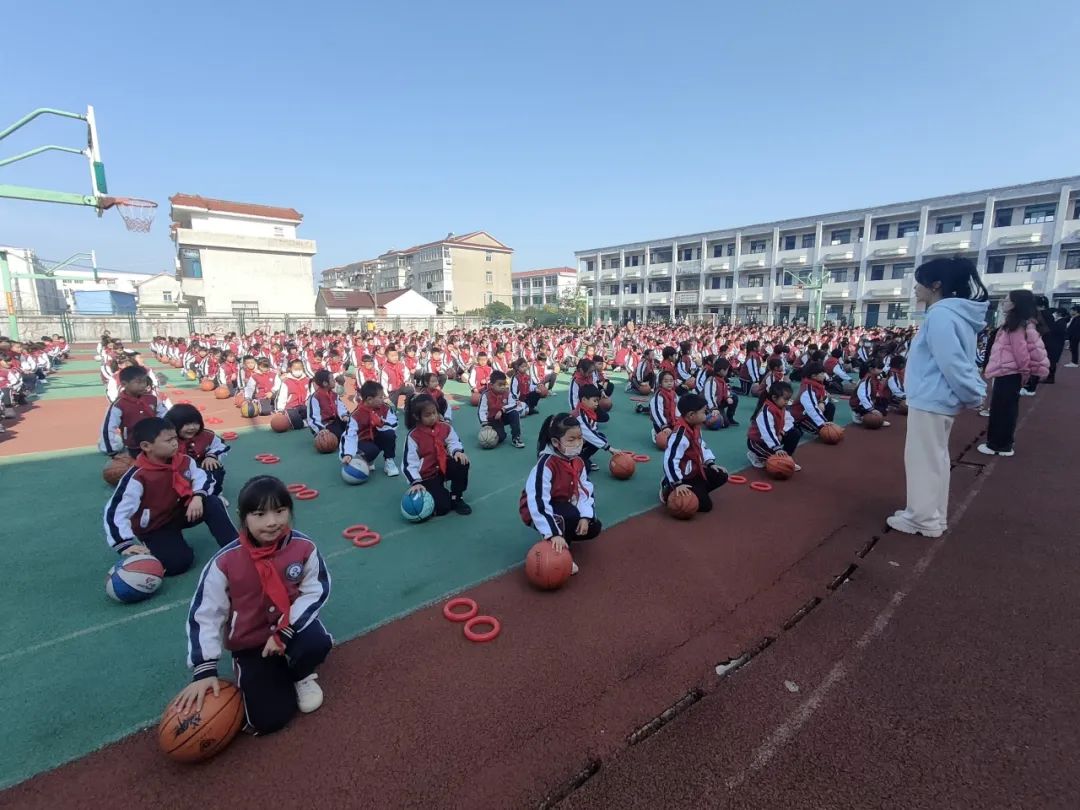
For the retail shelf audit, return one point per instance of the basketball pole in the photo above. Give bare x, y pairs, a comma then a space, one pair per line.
9, 290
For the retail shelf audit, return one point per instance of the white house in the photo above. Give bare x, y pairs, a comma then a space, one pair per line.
107, 281
334, 302
234, 256
160, 293
32, 296
537, 288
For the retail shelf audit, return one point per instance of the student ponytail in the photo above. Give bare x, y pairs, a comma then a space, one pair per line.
554, 427
773, 391
414, 408
958, 277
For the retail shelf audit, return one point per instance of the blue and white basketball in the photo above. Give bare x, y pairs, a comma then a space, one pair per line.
356, 471
134, 578
417, 507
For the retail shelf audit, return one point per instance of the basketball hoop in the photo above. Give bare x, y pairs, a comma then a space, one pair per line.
138, 215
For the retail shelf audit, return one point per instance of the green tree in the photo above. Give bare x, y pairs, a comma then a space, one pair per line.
573, 305
494, 311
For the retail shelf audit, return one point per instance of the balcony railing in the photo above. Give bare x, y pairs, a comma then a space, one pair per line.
690, 267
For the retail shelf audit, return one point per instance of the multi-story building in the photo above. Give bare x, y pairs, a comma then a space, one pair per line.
860, 262
537, 288
354, 276
457, 274
241, 257
31, 296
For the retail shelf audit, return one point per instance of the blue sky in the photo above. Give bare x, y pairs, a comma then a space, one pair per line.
554, 126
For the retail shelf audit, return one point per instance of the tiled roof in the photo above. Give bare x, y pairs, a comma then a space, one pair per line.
546, 272
337, 298
229, 207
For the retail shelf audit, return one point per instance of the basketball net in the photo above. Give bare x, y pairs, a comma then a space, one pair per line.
138, 215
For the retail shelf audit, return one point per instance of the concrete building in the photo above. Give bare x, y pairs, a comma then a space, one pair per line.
233, 256
537, 288
1025, 236
103, 302
107, 281
355, 276
160, 293
32, 296
335, 302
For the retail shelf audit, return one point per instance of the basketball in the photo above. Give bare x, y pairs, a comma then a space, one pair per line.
873, 420
542, 390
356, 471
250, 409
239, 399
757, 389
622, 466
176, 363
547, 569
134, 578
831, 433
780, 467
605, 403
416, 507
644, 388
191, 375
662, 439
474, 398
116, 468
487, 437
682, 505
199, 735
206, 384
714, 421
221, 392
280, 422
325, 441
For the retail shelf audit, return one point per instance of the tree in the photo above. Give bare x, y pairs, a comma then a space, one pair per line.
494, 311
573, 305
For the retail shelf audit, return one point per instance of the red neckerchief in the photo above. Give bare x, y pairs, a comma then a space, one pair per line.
374, 419
273, 587
778, 414
440, 446
694, 452
178, 463
818, 388
668, 397
591, 414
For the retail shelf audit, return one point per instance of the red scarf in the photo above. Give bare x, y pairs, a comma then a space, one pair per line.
440, 447
178, 463
693, 452
273, 586
778, 415
668, 398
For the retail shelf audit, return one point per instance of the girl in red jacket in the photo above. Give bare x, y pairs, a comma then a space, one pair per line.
435, 457
204, 446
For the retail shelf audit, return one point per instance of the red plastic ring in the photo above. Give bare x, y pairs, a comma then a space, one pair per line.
294, 488
355, 530
479, 638
460, 601
261, 456
761, 486
270, 460
304, 494
640, 458
366, 540
736, 479
230, 436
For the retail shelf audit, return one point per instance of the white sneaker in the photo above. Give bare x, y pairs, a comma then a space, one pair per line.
573, 568
856, 419
1025, 393
986, 450
390, 468
309, 694
886, 424
904, 514
798, 468
902, 524
984, 411
1070, 365
754, 460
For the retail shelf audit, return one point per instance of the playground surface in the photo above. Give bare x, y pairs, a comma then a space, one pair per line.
602, 694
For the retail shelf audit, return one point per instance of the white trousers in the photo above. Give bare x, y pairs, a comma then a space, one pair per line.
927, 463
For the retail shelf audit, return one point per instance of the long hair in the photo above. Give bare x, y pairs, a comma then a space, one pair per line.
958, 276
1024, 309
554, 427
775, 390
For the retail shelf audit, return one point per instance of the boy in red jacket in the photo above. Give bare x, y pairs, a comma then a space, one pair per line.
131, 406
371, 430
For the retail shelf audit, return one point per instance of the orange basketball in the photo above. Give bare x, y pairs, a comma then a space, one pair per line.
176, 363
831, 433
542, 390
605, 403
239, 399
206, 384
474, 398
249, 409
873, 420
280, 422
644, 388
682, 505
662, 439
547, 569
780, 467
199, 735
622, 466
116, 468
757, 389
325, 441
221, 392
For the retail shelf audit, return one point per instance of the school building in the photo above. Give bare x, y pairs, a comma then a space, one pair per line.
538, 288
861, 261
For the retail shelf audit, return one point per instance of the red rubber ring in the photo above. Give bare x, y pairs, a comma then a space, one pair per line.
480, 638
356, 530
294, 488
638, 399
640, 458
261, 456
761, 486
230, 436
270, 460
304, 494
736, 479
460, 601
366, 540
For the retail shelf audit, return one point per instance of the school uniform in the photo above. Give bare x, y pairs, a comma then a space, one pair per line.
292, 396
717, 393
126, 411
686, 374
149, 507
594, 440
897, 394
688, 460
370, 431
479, 376
812, 410
262, 387
326, 411
662, 410
232, 610
771, 430
203, 445
491, 403
557, 496
644, 372
867, 397
521, 390
396, 381
429, 460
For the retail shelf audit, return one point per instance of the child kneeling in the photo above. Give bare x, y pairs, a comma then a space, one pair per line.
434, 456
773, 431
260, 598
688, 461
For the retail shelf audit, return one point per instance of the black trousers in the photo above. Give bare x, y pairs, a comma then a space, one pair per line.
649, 378
267, 683
457, 475
789, 444
587, 452
702, 485
1004, 411
385, 442
532, 399
567, 518
806, 424
607, 387
1074, 349
170, 547
297, 417
729, 410
511, 418
335, 426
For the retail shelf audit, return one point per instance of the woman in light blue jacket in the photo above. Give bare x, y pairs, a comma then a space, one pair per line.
942, 379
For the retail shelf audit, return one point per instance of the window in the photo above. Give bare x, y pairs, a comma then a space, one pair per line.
756, 280
900, 270
950, 224
589, 265
877, 272
630, 289
190, 263
686, 254
488, 298
1072, 260
789, 242
1002, 217
995, 264
977, 220
907, 228
808, 240
840, 237
717, 251
729, 282
716, 283
487, 256
855, 275
838, 276
1076, 210
489, 277
882, 231
862, 233
661, 256
731, 249
897, 312
757, 246
1035, 214
633, 261
1031, 262
166, 296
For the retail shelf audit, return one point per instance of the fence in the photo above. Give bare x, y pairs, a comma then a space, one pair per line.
134, 327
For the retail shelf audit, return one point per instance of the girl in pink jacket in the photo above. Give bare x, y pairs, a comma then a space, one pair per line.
1016, 354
